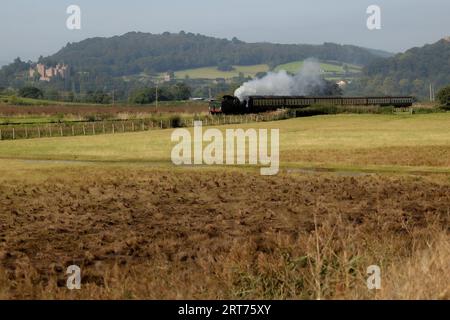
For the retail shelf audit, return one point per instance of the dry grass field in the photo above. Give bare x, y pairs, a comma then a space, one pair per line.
158, 233
139, 227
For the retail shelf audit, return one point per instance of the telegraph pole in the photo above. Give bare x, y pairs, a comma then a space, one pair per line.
431, 93
157, 82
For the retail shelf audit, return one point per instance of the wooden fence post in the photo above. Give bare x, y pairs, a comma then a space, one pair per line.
113, 131
0, 134
50, 129
14, 134
61, 130
73, 131
123, 127
103, 127
132, 126
93, 128
84, 130
26, 132
39, 132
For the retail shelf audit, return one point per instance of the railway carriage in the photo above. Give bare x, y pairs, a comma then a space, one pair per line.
258, 104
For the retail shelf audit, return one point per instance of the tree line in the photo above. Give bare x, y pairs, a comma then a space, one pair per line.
409, 73
176, 92
137, 52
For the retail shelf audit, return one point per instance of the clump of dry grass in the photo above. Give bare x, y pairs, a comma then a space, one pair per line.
424, 275
331, 263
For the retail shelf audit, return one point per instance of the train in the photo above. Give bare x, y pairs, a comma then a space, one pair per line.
258, 104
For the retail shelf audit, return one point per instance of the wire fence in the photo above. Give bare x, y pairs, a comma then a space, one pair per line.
68, 129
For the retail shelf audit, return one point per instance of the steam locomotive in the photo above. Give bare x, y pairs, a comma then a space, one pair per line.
258, 104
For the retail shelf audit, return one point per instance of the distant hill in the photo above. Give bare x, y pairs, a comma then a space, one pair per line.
120, 65
411, 72
381, 53
136, 52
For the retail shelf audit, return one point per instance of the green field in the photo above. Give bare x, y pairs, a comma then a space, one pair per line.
251, 71
20, 101
214, 73
28, 119
353, 142
294, 67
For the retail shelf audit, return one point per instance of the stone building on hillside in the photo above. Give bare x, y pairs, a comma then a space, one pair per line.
47, 73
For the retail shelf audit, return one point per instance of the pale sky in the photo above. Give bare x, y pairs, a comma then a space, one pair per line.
29, 28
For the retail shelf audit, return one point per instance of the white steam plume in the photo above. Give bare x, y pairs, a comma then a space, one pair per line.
281, 83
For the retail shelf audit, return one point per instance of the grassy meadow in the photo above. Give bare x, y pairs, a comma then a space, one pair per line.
250, 71
378, 142
294, 67
214, 73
